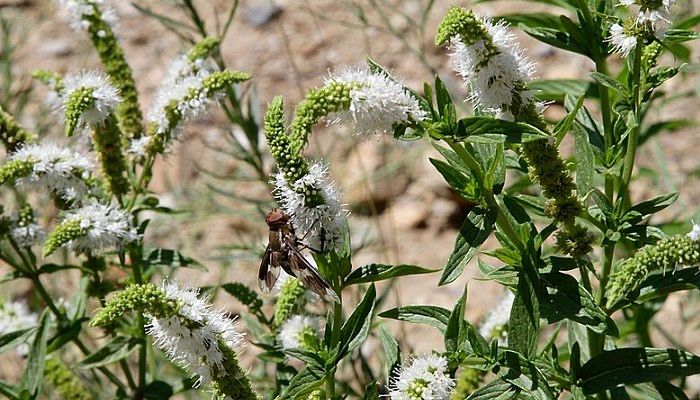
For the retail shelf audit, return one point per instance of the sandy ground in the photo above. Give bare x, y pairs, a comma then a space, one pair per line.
399, 203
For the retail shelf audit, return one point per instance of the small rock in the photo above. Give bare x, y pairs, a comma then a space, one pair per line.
54, 48
260, 14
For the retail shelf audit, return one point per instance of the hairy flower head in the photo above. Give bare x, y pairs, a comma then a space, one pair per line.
490, 60
92, 227
89, 98
377, 101
49, 166
425, 378
315, 205
193, 338
81, 12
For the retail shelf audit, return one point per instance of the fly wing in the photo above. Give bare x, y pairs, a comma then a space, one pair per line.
268, 272
308, 275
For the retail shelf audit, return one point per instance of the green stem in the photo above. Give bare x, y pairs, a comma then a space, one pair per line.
501, 220
633, 138
335, 338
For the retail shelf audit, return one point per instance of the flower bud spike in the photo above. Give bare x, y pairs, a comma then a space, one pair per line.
12, 135
97, 19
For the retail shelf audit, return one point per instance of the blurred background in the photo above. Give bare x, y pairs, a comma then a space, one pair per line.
401, 211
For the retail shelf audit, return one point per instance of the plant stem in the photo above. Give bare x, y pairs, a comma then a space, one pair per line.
501, 220
335, 338
633, 138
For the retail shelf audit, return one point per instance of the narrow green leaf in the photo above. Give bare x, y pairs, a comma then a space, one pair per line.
474, 231
8, 390
585, 161
508, 132
392, 351
13, 339
434, 316
356, 328
34, 371
172, 258
116, 349
635, 365
608, 81
303, 383
380, 272
558, 89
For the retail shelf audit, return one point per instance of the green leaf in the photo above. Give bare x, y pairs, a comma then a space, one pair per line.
558, 89
434, 316
635, 365
608, 81
303, 383
474, 231
524, 375
13, 339
172, 258
585, 161
567, 299
34, 371
640, 210
392, 352
497, 131
380, 272
554, 38
661, 284
673, 36
456, 332
356, 328
116, 349
457, 180
524, 323
532, 20
8, 390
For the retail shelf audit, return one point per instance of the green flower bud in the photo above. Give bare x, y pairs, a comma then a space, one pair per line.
144, 298
14, 170
666, 255
62, 235
292, 163
64, 382
203, 49
108, 144
291, 298
11, 133
232, 381
318, 103
575, 240
77, 103
462, 23
468, 382
51, 79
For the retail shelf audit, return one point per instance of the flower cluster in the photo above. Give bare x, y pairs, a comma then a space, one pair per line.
49, 166
322, 222
92, 227
291, 295
184, 100
300, 331
667, 254
88, 99
15, 316
202, 340
489, 59
652, 20
366, 101
424, 379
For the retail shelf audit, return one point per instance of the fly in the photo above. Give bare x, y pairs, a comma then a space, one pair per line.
283, 251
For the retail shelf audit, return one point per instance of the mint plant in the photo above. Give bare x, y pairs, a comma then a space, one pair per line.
584, 263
